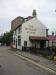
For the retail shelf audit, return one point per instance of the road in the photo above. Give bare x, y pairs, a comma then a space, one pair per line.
10, 64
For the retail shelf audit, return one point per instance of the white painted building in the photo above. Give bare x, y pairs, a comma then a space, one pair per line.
31, 33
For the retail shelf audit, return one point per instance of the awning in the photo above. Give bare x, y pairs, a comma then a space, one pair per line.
38, 38
52, 38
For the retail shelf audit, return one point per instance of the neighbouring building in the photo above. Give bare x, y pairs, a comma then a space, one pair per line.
29, 32
52, 40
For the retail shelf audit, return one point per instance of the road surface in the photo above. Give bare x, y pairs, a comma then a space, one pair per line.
10, 64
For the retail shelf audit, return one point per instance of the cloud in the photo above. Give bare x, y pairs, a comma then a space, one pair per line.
9, 9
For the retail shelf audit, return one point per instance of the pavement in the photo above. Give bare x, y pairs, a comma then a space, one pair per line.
14, 63
39, 59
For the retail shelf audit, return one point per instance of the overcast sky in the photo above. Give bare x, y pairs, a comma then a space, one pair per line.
9, 9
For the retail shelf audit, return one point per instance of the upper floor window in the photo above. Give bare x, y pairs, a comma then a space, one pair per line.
19, 30
14, 32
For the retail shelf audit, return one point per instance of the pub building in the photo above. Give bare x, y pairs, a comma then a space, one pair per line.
29, 32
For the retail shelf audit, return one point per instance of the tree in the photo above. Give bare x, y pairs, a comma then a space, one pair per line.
7, 38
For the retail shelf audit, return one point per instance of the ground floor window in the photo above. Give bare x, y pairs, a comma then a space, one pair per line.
25, 43
19, 40
38, 44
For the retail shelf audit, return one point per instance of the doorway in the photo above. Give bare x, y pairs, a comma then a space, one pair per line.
42, 44
16, 43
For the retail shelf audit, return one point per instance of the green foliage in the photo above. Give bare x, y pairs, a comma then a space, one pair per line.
7, 38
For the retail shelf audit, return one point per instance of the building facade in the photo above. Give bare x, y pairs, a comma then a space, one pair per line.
31, 33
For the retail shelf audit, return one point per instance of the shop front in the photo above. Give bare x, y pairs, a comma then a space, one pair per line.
38, 43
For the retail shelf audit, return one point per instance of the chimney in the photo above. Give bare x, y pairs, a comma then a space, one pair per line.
52, 33
34, 13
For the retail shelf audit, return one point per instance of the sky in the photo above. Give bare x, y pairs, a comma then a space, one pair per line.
10, 9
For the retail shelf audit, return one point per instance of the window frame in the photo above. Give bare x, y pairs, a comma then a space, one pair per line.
25, 43
19, 40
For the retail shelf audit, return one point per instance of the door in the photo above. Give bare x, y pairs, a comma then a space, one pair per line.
16, 43
42, 43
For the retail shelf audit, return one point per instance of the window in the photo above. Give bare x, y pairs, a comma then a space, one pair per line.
14, 32
19, 41
25, 43
19, 29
